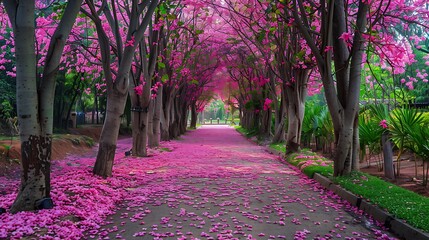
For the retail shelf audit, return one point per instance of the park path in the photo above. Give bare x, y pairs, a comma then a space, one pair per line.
215, 184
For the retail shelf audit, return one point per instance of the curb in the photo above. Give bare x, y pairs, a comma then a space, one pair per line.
401, 229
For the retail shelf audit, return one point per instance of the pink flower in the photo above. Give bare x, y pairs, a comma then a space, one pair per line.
410, 85
383, 123
131, 42
329, 48
347, 38
139, 90
267, 104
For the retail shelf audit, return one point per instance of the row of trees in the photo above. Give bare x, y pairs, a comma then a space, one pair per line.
154, 52
169, 57
285, 48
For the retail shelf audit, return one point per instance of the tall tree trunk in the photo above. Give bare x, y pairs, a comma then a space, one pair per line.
194, 115
35, 104
166, 121
154, 140
279, 132
265, 125
295, 117
117, 88
295, 97
389, 171
109, 134
349, 87
150, 134
34, 182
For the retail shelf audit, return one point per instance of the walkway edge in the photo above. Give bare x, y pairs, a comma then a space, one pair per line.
400, 228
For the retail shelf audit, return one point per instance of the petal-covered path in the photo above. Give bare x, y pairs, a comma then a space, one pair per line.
211, 184
215, 184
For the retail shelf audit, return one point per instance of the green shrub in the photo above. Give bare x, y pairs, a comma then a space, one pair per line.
310, 163
281, 147
246, 132
323, 170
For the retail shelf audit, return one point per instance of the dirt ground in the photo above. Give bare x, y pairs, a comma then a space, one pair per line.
62, 145
408, 178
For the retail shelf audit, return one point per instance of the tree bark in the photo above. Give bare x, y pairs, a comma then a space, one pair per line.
166, 121
389, 170
154, 141
35, 104
117, 89
295, 101
343, 103
194, 116
109, 134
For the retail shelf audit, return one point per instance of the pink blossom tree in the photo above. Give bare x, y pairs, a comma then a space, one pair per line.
122, 44
345, 31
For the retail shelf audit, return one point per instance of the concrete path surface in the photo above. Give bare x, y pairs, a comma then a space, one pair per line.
215, 184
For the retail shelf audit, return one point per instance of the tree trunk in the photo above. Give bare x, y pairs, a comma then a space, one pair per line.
109, 134
265, 125
34, 182
139, 129
35, 105
154, 141
35, 179
389, 171
166, 121
150, 133
356, 145
295, 98
194, 116
343, 157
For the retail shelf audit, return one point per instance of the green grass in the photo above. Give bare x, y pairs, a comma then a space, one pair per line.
404, 204
82, 139
246, 132
323, 170
165, 149
281, 147
2, 138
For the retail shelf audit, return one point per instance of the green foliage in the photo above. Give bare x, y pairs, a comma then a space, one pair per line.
401, 122
6, 147
400, 202
323, 170
165, 149
317, 123
419, 138
6, 110
369, 133
310, 163
246, 132
281, 147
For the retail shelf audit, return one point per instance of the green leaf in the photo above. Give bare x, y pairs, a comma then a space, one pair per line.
164, 78
162, 9
171, 17
161, 65
194, 82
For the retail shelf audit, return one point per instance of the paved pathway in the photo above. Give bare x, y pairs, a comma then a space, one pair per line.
215, 184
